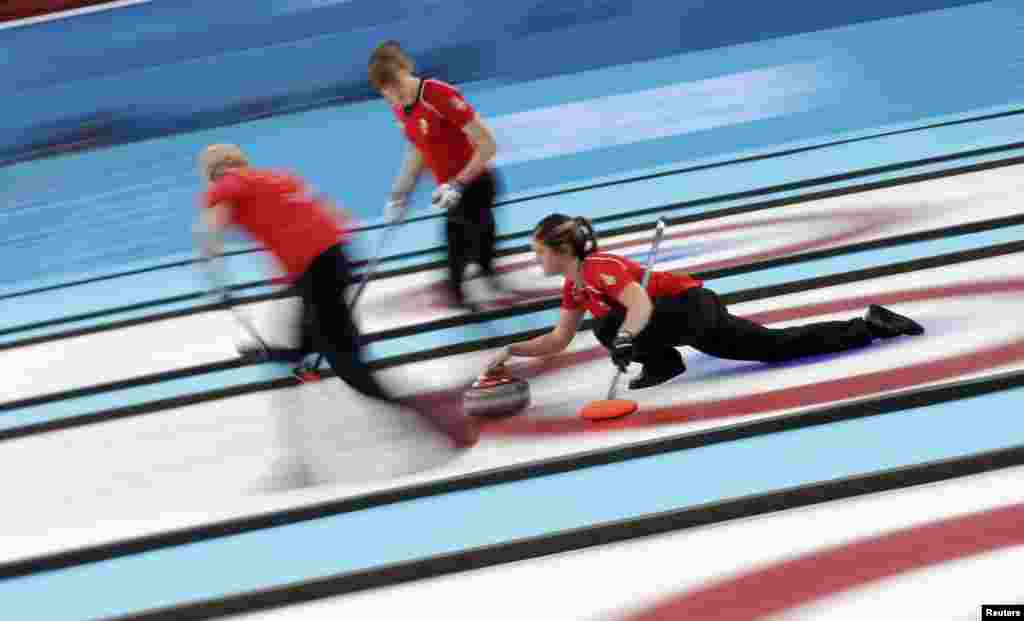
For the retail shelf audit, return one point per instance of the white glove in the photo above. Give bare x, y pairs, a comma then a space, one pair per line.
395, 210
447, 195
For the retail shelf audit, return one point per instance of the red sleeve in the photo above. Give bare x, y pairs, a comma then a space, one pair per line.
448, 101
229, 188
568, 302
607, 274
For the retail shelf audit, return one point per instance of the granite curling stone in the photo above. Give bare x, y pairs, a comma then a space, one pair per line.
496, 395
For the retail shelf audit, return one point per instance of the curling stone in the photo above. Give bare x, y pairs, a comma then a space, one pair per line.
496, 395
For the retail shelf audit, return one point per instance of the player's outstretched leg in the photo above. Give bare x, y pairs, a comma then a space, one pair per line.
737, 338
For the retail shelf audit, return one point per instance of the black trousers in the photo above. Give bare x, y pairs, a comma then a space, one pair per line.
470, 231
328, 327
698, 318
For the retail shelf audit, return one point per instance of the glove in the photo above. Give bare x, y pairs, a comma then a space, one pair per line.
447, 196
395, 210
623, 350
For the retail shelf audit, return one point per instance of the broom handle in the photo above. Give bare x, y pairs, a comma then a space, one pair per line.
218, 282
659, 231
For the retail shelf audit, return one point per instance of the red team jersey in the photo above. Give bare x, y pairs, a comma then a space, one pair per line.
433, 124
604, 277
276, 210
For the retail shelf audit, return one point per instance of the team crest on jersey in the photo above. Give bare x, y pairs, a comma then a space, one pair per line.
424, 126
608, 279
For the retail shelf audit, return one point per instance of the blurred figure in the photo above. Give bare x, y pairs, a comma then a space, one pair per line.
445, 134
308, 242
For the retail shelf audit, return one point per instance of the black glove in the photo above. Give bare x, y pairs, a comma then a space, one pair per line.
623, 350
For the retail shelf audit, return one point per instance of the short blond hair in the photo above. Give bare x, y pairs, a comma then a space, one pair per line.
216, 158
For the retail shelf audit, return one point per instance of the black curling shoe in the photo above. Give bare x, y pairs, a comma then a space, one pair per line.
885, 324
